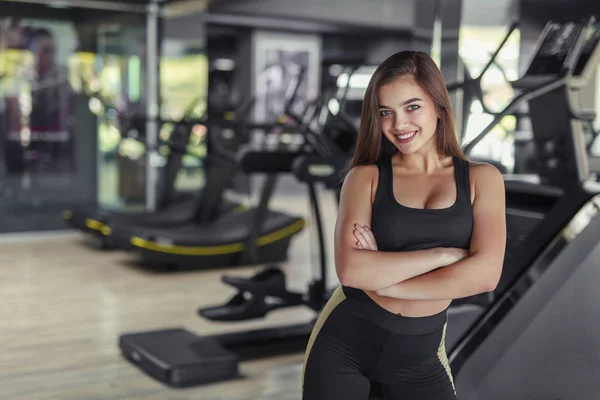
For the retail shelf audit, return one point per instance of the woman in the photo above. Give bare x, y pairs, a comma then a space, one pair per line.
418, 226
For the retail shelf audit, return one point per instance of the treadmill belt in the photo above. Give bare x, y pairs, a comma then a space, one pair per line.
227, 234
94, 218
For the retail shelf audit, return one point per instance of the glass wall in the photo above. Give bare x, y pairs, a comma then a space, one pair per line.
69, 84
184, 85
117, 96
39, 167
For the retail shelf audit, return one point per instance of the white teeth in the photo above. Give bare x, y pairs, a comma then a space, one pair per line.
406, 136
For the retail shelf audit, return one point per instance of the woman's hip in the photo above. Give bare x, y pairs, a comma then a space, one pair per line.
357, 319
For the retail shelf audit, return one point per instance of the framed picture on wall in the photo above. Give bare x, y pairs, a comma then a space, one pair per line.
279, 60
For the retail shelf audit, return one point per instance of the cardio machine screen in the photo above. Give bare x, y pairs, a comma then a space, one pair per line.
553, 48
592, 38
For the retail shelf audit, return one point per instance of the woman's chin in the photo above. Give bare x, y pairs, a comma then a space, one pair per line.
408, 148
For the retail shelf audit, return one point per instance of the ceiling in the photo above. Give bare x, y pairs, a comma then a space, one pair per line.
117, 5
474, 12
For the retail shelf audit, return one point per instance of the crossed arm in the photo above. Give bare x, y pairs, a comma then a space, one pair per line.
434, 274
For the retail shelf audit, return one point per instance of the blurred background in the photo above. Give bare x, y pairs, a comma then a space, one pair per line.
75, 99
208, 136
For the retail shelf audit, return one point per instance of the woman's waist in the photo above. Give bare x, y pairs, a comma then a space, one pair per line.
402, 316
410, 308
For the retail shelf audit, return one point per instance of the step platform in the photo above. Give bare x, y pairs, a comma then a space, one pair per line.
180, 358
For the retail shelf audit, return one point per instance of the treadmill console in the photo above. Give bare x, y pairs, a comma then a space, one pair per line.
591, 41
552, 52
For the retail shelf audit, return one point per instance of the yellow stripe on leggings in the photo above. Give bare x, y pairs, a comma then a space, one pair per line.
336, 298
442, 355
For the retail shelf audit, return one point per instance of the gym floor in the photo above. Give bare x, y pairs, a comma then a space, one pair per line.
66, 303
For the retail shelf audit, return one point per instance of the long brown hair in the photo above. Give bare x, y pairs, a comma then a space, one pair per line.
371, 146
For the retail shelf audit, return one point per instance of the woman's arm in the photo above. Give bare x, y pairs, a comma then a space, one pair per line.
373, 270
480, 272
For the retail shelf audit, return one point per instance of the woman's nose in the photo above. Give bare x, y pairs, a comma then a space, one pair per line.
401, 123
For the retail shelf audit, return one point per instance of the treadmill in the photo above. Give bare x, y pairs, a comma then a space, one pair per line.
539, 338
211, 239
535, 335
172, 207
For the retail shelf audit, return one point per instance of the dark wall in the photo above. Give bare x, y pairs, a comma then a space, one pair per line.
558, 10
392, 14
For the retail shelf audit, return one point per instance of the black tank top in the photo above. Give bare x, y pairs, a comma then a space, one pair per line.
401, 228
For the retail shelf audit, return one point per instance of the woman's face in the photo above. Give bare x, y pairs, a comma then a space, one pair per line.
408, 116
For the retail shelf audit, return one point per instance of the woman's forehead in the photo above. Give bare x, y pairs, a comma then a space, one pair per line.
400, 90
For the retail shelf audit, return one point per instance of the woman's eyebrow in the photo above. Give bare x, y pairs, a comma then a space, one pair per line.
403, 103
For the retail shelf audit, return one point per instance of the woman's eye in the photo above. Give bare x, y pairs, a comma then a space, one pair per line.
413, 107
384, 113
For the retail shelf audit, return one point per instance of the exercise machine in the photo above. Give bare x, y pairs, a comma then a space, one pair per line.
505, 348
179, 358
536, 292
536, 324
172, 206
544, 319
135, 231
248, 236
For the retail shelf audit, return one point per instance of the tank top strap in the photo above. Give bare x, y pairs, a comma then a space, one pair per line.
463, 181
384, 165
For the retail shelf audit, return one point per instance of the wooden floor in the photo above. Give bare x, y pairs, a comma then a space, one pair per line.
65, 305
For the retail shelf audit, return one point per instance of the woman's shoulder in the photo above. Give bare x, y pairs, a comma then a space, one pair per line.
479, 168
362, 174
483, 175
361, 177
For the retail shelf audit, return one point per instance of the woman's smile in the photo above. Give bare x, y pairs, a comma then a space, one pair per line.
406, 137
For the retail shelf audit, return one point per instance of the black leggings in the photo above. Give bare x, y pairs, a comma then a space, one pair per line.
356, 343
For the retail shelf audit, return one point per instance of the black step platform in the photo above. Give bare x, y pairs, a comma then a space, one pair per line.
180, 358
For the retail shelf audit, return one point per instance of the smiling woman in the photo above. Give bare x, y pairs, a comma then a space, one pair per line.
418, 226
405, 83
402, 123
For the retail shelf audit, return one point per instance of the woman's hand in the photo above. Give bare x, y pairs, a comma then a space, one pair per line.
365, 240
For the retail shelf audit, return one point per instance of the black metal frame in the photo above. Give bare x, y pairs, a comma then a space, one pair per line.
286, 339
471, 87
250, 253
